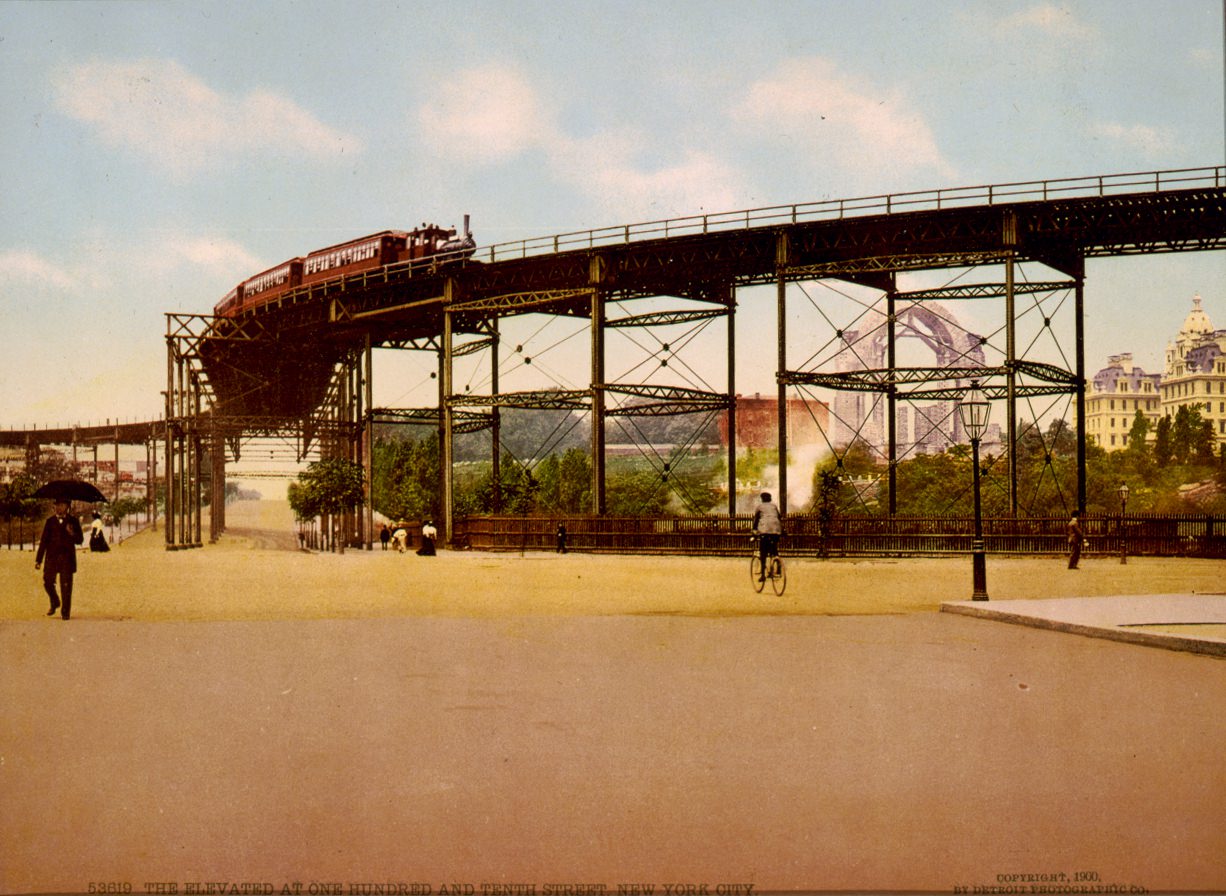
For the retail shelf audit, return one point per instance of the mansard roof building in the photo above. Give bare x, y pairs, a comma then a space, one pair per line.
1194, 375
1115, 395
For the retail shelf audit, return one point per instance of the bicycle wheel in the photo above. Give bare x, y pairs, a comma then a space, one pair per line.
778, 576
755, 573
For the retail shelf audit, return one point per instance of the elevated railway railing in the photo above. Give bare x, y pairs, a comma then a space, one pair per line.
1158, 535
1098, 186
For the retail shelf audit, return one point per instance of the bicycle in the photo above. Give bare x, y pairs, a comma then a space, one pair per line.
776, 572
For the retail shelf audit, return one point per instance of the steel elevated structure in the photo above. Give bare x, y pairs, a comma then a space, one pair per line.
298, 371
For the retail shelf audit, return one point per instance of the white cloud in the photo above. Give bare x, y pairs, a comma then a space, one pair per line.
493, 113
158, 109
27, 268
1049, 19
1153, 143
834, 119
605, 165
219, 256
485, 115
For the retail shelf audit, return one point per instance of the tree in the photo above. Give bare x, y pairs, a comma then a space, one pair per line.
1203, 443
405, 478
1138, 434
1184, 433
1163, 449
50, 464
15, 500
124, 507
826, 504
575, 482
330, 488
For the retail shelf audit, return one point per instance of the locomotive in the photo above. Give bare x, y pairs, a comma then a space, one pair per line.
429, 241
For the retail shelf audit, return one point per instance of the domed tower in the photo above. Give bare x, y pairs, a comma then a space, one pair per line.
1195, 373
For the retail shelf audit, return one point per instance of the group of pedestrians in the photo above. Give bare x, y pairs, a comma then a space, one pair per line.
398, 538
57, 546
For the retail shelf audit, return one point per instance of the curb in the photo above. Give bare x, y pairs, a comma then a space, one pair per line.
1111, 633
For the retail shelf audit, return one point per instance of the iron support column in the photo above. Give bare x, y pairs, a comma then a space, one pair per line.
217, 481
731, 400
1080, 363
596, 276
447, 445
151, 477
891, 406
368, 447
1011, 384
495, 419
169, 434
782, 253
1010, 240
184, 532
197, 491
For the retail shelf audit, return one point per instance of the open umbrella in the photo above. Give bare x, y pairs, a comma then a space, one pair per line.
70, 490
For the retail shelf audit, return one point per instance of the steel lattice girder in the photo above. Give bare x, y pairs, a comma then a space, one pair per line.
666, 318
885, 380
521, 302
982, 291
665, 401
541, 400
462, 421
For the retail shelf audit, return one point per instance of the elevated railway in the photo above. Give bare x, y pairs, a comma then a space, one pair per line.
300, 367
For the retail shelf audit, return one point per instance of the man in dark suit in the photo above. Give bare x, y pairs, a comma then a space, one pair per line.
58, 548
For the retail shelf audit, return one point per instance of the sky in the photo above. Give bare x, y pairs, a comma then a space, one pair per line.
153, 155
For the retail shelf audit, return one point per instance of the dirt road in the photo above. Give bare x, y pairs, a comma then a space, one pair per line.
233, 715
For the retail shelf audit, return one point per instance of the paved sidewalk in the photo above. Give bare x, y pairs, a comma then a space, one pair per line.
1191, 622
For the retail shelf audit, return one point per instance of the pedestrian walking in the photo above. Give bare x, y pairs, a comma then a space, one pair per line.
561, 538
401, 538
57, 556
385, 535
97, 538
1076, 535
428, 534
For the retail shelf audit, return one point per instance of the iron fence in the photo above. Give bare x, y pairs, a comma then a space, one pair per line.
1160, 535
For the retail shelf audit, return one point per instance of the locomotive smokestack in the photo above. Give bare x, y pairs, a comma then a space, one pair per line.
467, 232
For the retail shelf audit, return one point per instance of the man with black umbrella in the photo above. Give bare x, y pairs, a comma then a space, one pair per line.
58, 547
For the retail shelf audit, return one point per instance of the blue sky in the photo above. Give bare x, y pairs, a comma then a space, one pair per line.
154, 154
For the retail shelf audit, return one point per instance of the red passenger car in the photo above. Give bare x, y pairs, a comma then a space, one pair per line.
345, 259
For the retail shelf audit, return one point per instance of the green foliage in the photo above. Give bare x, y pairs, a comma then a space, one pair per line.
330, 486
15, 500
565, 482
825, 504
405, 478
50, 465
941, 484
407, 481
1163, 448
125, 507
633, 487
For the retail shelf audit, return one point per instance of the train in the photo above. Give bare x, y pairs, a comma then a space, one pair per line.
429, 241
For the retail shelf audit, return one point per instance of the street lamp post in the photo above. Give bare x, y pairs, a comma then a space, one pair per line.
1123, 492
974, 412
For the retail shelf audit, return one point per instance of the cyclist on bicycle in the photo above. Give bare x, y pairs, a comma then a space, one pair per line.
768, 526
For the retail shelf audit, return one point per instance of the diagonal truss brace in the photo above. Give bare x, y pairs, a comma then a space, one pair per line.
664, 401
